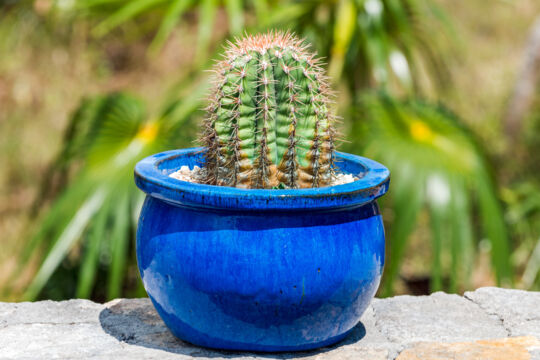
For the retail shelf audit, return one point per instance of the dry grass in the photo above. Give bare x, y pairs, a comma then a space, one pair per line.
493, 35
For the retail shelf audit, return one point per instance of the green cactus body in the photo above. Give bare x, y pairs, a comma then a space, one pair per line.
268, 122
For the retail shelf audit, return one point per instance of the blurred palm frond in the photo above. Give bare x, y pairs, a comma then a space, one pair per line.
119, 12
372, 43
368, 43
95, 214
523, 214
436, 166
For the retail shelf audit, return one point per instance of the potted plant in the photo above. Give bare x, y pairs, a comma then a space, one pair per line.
267, 244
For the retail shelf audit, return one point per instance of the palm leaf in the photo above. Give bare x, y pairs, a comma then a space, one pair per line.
65, 242
127, 11
207, 15
113, 135
523, 212
236, 16
372, 43
58, 216
532, 269
261, 9
90, 259
174, 12
170, 14
494, 227
344, 29
427, 143
375, 43
462, 235
407, 196
120, 236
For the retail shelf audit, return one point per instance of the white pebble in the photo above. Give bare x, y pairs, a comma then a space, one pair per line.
186, 174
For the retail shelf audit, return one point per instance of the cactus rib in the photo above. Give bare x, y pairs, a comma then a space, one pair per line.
268, 123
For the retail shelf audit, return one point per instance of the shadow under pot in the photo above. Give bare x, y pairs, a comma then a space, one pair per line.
259, 270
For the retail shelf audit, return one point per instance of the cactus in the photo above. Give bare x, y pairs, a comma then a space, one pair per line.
268, 124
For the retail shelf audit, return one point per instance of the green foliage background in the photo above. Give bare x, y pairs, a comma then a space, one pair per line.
392, 74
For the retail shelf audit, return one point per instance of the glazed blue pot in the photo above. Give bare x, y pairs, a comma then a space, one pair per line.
260, 270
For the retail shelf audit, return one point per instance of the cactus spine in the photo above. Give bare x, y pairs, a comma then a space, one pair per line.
268, 124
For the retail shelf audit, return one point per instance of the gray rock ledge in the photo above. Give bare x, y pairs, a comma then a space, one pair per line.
489, 323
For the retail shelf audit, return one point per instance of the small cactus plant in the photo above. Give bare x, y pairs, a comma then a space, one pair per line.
268, 124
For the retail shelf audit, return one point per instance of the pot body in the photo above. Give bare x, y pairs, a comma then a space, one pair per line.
259, 279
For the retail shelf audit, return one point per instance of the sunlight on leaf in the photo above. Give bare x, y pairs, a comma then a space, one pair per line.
126, 12
429, 152
64, 243
173, 14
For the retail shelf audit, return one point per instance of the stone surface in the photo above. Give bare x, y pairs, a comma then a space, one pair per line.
489, 323
517, 310
438, 317
515, 348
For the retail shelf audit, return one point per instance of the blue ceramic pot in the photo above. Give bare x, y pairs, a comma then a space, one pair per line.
262, 270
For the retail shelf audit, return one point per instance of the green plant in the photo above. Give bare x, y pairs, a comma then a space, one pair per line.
169, 13
523, 214
374, 42
362, 43
268, 122
436, 165
94, 216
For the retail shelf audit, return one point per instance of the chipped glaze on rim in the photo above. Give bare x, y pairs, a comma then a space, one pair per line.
152, 177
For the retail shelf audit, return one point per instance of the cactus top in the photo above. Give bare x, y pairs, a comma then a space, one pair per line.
268, 123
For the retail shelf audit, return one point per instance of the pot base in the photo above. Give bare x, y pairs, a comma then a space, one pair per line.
220, 344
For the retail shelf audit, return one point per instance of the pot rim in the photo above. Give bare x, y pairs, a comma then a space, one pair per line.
152, 177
